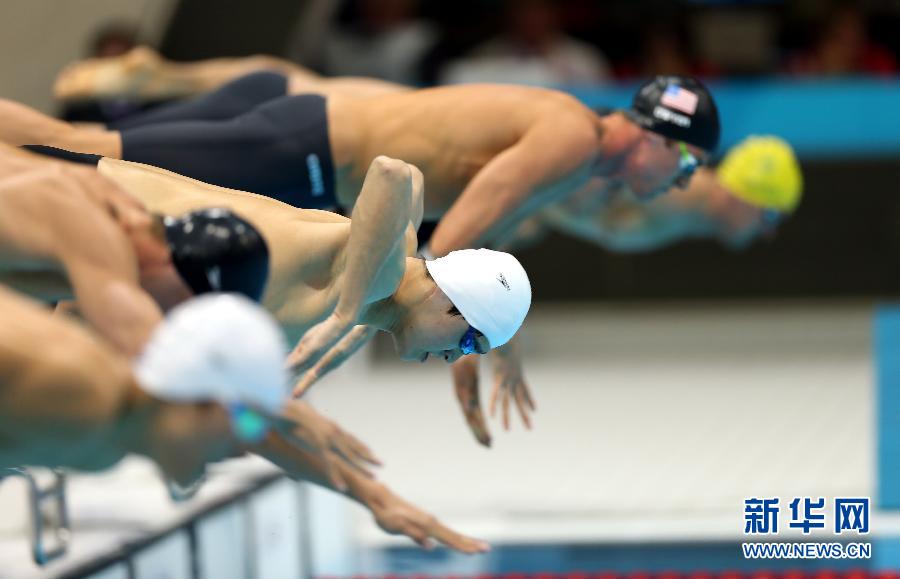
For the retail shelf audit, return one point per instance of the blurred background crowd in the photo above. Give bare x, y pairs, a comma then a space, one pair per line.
422, 42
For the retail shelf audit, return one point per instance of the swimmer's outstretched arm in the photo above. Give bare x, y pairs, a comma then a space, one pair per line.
375, 254
23, 125
393, 514
622, 227
626, 225
377, 248
45, 215
551, 159
299, 422
360, 335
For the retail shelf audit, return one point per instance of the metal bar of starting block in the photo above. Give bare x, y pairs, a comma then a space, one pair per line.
55, 521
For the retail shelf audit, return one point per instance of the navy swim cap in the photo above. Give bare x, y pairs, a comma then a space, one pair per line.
677, 107
214, 250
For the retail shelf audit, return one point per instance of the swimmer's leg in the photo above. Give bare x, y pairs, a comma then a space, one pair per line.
22, 125
231, 100
231, 153
142, 74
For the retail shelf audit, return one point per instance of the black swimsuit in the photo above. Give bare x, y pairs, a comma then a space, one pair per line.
247, 135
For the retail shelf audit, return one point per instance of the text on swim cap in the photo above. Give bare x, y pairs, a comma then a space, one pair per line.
668, 116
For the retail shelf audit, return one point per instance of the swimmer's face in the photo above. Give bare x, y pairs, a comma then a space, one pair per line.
434, 329
657, 164
182, 449
158, 275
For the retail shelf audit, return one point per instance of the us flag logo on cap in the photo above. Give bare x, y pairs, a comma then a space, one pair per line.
679, 99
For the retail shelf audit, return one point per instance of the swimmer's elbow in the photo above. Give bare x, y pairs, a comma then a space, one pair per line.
391, 170
417, 179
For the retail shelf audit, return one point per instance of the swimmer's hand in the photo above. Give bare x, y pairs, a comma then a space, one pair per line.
336, 356
509, 382
465, 382
398, 517
317, 341
301, 423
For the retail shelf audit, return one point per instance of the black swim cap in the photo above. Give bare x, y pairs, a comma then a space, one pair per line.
214, 250
677, 107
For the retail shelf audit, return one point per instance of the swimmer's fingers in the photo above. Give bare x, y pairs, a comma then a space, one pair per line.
506, 408
352, 450
509, 382
526, 392
419, 536
316, 342
343, 350
454, 540
361, 450
465, 381
305, 383
517, 391
521, 398
318, 434
297, 427
333, 471
492, 405
396, 516
351, 457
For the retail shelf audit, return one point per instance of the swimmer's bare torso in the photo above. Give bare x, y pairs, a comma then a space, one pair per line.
450, 133
49, 207
68, 232
306, 246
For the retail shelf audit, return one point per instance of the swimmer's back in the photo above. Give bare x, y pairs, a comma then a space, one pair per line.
451, 133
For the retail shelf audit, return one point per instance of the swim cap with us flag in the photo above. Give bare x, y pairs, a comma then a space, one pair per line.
679, 108
215, 250
489, 288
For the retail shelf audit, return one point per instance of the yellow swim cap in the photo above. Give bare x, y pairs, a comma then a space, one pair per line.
764, 172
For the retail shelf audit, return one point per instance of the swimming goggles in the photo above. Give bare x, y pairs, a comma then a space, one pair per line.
687, 164
468, 345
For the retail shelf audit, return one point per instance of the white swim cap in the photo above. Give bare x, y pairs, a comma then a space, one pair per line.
220, 347
489, 288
